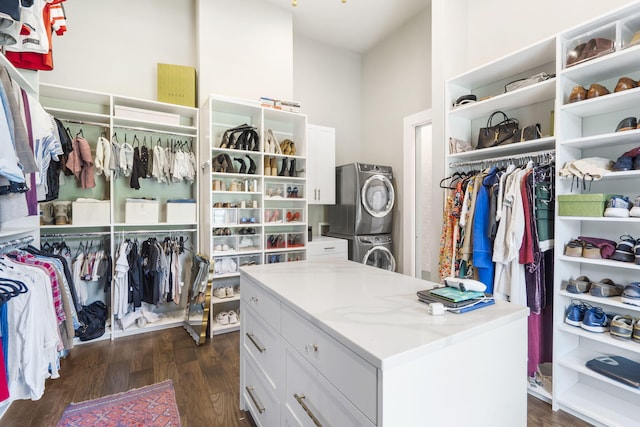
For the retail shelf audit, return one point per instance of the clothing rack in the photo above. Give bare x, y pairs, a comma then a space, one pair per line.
75, 235
540, 157
10, 244
82, 122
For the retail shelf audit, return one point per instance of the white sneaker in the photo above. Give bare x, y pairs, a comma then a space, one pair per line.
635, 210
229, 291
220, 292
233, 317
222, 318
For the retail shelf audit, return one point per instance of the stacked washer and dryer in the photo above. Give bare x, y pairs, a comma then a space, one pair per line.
363, 213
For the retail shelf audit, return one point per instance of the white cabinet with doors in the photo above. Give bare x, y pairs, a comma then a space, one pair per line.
321, 165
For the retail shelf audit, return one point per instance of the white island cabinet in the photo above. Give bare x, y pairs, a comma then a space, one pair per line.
338, 343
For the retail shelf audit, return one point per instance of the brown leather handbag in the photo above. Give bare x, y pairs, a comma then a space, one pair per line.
505, 132
529, 133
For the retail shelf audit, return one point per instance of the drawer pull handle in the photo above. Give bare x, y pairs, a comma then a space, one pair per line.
306, 409
253, 299
310, 347
256, 402
259, 346
329, 248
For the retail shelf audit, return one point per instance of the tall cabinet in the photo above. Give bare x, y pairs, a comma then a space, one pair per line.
250, 216
587, 128
120, 212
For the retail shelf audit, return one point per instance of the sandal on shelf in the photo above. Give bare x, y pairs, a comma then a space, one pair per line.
605, 288
574, 248
579, 285
591, 251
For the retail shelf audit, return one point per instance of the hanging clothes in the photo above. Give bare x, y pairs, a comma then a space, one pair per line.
80, 162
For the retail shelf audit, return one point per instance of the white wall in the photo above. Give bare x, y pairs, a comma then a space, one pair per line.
245, 49
114, 46
396, 82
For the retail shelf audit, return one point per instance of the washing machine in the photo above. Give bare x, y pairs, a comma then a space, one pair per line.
373, 250
364, 200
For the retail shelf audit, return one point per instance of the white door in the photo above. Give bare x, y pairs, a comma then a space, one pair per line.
321, 165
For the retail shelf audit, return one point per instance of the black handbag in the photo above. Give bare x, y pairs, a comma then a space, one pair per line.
503, 133
529, 133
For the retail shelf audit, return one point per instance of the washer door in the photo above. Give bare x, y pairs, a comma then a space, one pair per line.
378, 196
380, 257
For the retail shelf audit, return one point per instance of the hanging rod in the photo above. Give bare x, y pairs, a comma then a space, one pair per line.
76, 235
182, 230
81, 122
166, 132
15, 242
525, 156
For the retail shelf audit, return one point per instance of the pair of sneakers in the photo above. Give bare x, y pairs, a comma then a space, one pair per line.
225, 266
621, 207
227, 318
627, 249
587, 317
624, 327
223, 292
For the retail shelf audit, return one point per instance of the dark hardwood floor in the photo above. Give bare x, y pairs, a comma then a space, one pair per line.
206, 381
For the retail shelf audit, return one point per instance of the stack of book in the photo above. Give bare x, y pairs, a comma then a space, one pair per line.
280, 104
455, 300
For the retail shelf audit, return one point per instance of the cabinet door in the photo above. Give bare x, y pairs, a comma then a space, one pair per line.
321, 165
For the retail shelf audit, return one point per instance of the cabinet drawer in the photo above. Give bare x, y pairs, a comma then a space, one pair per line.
263, 405
264, 304
336, 248
264, 344
313, 400
348, 372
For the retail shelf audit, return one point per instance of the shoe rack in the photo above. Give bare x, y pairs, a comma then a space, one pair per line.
253, 213
586, 127
94, 115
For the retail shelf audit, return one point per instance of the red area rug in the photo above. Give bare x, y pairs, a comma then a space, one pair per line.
150, 406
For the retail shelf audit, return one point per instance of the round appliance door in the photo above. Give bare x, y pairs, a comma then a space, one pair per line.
378, 196
380, 257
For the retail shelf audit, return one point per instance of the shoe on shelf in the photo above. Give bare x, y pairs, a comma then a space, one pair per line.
575, 313
219, 292
618, 207
636, 252
622, 327
623, 163
631, 294
624, 249
229, 291
595, 320
625, 83
589, 250
233, 317
222, 318
605, 288
635, 210
574, 248
578, 93
580, 285
628, 123
636, 331
596, 90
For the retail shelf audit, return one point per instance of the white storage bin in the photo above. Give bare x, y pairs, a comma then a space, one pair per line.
91, 212
142, 211
181, 211
146, 115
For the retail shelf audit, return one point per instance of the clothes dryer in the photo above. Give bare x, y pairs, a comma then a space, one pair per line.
374, 250
364, 200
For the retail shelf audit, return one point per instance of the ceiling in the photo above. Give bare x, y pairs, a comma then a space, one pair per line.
356, 25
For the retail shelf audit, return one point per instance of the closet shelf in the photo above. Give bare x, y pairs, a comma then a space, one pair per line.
166, 322
539, 92
605, 140
602, 262
518, 148
599, 301
217, 328
615, 101
604, 338
618, 63
79, 117
629, 220
599, 405
216, 300
154, 127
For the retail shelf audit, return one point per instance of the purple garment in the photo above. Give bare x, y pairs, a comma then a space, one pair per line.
607, 247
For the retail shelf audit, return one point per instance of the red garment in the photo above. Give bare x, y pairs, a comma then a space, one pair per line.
53, 16
526, 249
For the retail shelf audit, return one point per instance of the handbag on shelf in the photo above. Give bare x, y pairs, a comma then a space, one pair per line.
458, 146
529, 133
505, 132
517, 84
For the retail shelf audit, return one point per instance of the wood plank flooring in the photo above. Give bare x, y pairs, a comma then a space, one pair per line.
206, 381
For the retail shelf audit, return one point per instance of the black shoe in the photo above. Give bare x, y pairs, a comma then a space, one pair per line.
252, 166
628, 123
283, 171
243, 167
292, 169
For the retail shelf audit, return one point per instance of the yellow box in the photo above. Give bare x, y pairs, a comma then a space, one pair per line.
177, 84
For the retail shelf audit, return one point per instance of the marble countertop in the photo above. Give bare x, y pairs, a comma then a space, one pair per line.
374, 312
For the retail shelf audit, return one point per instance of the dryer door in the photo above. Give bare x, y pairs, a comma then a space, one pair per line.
380, 257
378, 196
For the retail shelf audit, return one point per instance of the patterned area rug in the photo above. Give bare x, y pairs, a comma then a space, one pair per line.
150, 406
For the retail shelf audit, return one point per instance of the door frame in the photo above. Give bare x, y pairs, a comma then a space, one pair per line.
410, 123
